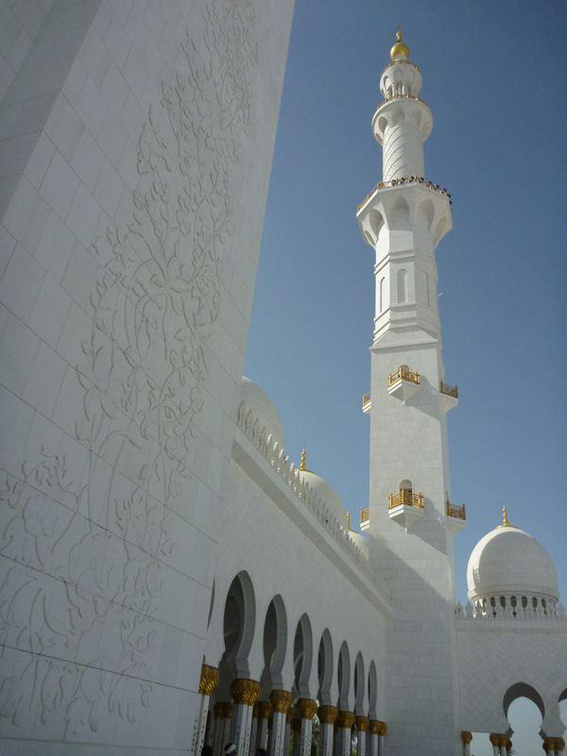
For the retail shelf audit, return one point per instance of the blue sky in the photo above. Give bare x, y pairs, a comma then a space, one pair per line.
494, 75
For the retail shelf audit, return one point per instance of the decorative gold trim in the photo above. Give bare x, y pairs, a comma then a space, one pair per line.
374, 726
327, 714
453, 510
453, 391
383, 729
466, 737
407, 497
306, 708
303, 461
281, 701
499, 740
403, 373
361, 723
404, 180
245, 691
209, 680
264, 709
345, 719
364, 514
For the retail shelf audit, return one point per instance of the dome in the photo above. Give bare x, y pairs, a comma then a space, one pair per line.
509, 561
262, 408
324, 490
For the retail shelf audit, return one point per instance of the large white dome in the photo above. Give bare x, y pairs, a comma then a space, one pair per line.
509, 561
324, 490
262, 408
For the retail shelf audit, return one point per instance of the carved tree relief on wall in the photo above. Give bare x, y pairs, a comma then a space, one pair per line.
85, 578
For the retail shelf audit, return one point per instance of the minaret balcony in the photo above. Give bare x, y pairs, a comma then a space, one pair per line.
365, 518
405, 507
449, 396
402, 182
366, 403
456, 516
403, 383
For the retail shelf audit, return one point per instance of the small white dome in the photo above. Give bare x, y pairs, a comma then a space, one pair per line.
263, 410
509, 561
324, 490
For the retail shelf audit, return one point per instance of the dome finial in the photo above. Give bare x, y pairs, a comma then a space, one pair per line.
505, 520
303, 461
348, 521
399, 51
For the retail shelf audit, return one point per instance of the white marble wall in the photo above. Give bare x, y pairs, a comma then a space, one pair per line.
133, 176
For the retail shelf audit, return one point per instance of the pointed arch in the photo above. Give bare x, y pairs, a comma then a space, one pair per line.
325, 668
274, 644
523, 690
343, 675
302, 656
372, 690
359, 684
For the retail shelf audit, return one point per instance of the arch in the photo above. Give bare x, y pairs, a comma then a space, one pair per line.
372, 689
343, 675
274, 644
406, 485
426, 212
523, 690
325, 668
359, 680
302, 656
402, 279
376, 223
239, 622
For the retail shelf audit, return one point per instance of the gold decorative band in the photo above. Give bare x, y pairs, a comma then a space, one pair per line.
281, 700
553, 745
245, 691
500, 740
383, 728
374, 726
345, 719
255, 711
327, 714
307, 708
361, 723
209, 680
264, 709
290, 714
466, 737
223, 710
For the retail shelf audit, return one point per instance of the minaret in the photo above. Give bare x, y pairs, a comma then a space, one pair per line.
411, 519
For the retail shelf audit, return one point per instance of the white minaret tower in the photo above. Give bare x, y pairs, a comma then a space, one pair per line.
411, 519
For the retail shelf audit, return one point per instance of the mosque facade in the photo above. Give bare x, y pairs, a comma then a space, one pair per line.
140, 470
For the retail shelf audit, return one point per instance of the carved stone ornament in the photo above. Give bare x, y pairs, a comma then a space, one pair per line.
209, 680
374, 726
245, 691
264, 709
281, 700
328, 714
307, 708
345, 719
466, 737
361, 723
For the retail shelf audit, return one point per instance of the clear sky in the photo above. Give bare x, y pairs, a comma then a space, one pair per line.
494, 75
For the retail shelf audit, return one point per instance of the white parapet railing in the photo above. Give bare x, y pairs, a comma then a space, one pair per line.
520, 607
276, 457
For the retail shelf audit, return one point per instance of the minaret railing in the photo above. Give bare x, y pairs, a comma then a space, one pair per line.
406, 180
364, 514
403, 373
445, 388
454, 510
407, 497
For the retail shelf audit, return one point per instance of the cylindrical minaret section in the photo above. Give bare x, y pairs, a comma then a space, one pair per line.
403, 122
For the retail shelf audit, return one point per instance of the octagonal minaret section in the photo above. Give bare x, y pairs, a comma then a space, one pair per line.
405, 216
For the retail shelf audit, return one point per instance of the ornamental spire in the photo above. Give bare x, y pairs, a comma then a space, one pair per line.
303, 461
505, 520
399, 51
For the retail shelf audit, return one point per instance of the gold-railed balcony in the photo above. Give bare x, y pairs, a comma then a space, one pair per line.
458, 512
403, 373
366, 403
453, 391
407, 497
364, 515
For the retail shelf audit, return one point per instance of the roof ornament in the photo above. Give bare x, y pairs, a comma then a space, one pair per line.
303, 461
399, 51
348, 521
505, 520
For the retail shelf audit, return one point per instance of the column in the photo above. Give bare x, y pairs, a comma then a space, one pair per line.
499, 742
361, 723
554, 746
254, 730
207, 683
295, 731
281, 701
327, 718
345, 721
244, 694
287, 740
306, 708
264, 713
374, 727
382, 739
466, 737
223, 718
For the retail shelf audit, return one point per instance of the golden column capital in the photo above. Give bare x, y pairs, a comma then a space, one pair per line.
281, 700
223, 709
361, 723
264, 709
290, 714
374, 725
383, 728
466, 737
345, 719
255, 711
327, 714
209, 680
307, 708
553, 745
498, 739
245, 691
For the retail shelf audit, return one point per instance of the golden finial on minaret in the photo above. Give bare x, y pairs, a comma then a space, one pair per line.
303, 461
505, 520
348, 520
399, 51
